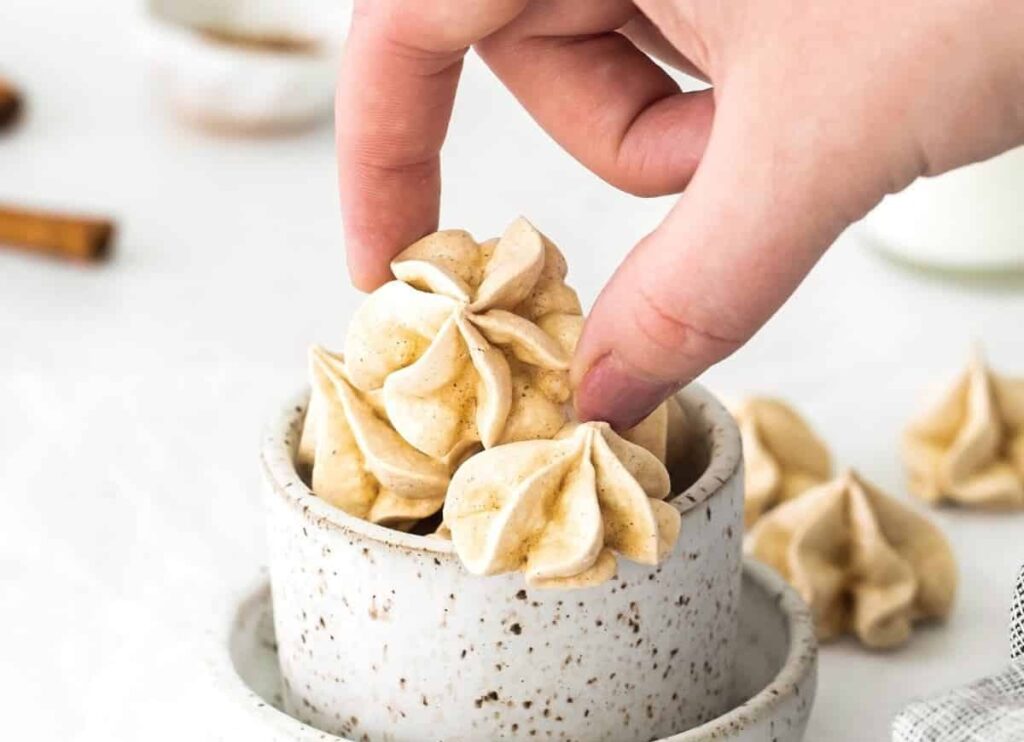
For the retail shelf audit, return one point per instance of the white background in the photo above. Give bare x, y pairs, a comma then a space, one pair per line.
132, 393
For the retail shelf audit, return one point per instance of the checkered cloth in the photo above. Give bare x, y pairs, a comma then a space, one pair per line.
1017, 621
988, 710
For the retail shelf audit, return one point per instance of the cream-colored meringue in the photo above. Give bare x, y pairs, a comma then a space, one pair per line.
558, 510
664, 432
356, 460
783, 457
863, 562
472, 342
969, 447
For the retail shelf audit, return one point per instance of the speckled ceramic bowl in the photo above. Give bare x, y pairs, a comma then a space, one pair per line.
383, 635
772, 692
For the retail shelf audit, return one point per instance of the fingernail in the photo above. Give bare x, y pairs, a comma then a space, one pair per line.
609, 392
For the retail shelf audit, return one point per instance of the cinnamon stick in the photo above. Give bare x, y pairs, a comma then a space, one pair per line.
68, 236
10, 104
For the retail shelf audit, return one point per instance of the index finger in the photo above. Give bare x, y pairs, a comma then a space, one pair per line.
395, 93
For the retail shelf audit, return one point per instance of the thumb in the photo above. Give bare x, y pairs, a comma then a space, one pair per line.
759, 212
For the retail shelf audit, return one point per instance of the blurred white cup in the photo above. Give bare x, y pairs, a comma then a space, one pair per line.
968, 219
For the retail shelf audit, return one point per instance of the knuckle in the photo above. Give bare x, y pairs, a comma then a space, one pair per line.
636, 170
679, 335
387, 162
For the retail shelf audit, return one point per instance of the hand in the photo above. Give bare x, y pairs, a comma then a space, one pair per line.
819, 108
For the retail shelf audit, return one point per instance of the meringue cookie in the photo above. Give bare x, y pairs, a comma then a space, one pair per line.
782, 455
969, 447
664, 433
558, 510
863, 562
355, 459
472, 342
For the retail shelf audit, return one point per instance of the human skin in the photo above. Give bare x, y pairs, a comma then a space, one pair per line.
818, 109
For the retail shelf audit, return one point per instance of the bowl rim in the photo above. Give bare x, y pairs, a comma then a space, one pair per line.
162, 15
798, 668
281, 437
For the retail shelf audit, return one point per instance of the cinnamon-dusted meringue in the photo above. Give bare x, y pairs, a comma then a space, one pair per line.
472, 342
558, 510
356, 459
969, 447
863, 562
783, 457
664, 433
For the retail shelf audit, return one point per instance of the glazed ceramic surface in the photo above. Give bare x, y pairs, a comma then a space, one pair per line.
775, 671
383, 634
771, 693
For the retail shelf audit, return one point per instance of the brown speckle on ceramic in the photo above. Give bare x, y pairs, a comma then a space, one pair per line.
388, 628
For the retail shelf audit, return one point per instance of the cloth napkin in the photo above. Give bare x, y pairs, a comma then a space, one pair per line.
1017, 621
987, 710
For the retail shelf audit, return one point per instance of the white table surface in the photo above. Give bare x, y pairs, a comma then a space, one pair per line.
132, 393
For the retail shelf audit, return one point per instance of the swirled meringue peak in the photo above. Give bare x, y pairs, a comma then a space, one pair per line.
665, 433
355, 459
559, 510
472, 342
969, 447
864, 562
784, 457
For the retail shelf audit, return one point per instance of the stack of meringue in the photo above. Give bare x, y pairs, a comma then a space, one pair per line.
453, 391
